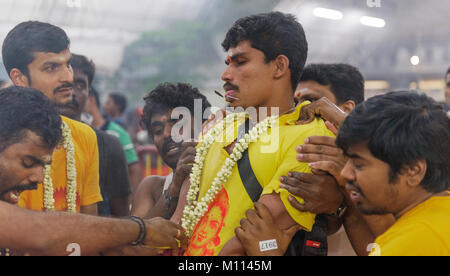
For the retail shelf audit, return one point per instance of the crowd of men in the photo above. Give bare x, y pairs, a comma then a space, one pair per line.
308, 157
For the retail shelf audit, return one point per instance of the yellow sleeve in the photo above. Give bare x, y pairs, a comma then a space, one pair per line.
289, 164
295, 136
91, 188
414, 239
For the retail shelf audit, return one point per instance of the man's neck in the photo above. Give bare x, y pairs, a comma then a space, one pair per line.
414, 201
276, 108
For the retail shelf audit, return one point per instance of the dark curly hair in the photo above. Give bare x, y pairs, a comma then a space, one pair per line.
168, 96
345, 81
24, 109
274, 34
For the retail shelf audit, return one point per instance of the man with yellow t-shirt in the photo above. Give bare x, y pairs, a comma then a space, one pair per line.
37, 55
266, 54
398, 146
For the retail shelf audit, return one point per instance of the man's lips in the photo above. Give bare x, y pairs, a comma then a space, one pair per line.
172, 149
230, 96
12, 196
65, 90
354, 192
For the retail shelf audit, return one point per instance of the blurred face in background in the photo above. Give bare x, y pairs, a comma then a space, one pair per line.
110, 108
77, 105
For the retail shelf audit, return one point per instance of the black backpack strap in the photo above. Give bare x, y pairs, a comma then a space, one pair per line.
248, 177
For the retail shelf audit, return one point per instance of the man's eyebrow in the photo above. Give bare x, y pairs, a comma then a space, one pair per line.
49, 63
235, 56
157, 124
39, 160
353, 155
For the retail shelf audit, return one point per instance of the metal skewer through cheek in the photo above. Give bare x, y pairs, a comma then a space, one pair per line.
225, 97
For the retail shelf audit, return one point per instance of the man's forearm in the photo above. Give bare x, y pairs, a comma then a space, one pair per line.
51, 233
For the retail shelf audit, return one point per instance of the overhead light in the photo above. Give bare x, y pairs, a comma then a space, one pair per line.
328, 13
373, 22
415, 60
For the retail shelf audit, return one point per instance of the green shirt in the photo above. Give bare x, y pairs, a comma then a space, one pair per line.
120, 133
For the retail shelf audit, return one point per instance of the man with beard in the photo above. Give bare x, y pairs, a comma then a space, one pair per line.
157, 196
29, 132
37, 55
399, 164
114, 182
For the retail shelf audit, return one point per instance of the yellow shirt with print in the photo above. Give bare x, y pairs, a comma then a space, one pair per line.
271, 157
87, 168
423, 231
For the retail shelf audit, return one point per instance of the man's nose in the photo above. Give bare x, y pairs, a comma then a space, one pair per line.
347, 172
67, 75
37, 175
226, 75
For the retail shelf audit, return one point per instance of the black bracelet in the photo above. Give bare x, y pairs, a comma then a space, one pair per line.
142, 230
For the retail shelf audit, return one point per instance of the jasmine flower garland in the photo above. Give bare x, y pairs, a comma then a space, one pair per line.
71, 194
196, 209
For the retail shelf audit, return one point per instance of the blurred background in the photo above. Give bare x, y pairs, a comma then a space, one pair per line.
137, 44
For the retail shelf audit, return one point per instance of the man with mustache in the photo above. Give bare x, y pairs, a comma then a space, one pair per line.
266, 54
114, 181
37, 55
399, 164
29, 132
157, 196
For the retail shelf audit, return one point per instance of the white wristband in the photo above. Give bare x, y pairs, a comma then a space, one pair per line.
268, 245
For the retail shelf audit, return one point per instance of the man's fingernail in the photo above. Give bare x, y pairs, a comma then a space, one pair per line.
312, 165
306, 140
300, 156
299, 149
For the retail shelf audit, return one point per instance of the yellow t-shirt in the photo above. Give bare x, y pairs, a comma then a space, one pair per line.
271, 157
87, 168
423, 231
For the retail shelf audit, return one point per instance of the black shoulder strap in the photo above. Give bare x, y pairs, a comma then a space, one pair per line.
304, 243
248, 177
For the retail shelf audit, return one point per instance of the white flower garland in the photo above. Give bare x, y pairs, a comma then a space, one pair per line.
195, 210
71, 196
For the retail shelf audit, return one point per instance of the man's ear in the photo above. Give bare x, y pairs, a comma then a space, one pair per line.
18, 78
281, 66
348, 106
416, 172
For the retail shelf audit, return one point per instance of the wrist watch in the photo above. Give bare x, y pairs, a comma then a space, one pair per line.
340, 211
